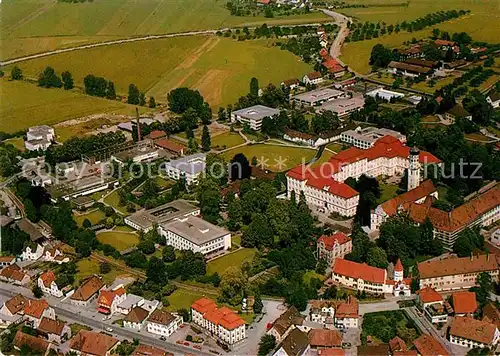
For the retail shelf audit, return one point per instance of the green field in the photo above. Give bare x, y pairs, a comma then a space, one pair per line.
272, 155
17, 142
235, 259
220, 68
387, 191
94, 217
113, 199
184, 298
119, 240
87, 267
61, 24
227, 140
26, 105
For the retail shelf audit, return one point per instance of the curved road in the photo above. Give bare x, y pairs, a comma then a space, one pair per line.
342, 21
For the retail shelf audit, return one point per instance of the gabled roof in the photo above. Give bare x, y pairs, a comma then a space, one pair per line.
146, 350
88, 288
16, 303
106, 297
35, 308
289, 82
295, 343
161, 317
204, 305
397, 344
359, 271
136, 315
464, 302
314, 75
458, 111
290, 317
7, 259
349, 309
51, 326
47, 278
454, 266
34, 343
494, 95
325, 338
429, 346
472, 329
90, 342
425, 189
429, 295
444, 43
13, 272
491, 314
156, 134
169, 145
330, 241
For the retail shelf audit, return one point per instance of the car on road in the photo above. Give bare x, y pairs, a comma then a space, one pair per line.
163, 338
109, 329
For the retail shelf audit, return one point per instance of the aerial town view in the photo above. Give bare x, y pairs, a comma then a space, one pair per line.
250, 177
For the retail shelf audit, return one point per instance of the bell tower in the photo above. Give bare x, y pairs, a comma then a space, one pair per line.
413, 169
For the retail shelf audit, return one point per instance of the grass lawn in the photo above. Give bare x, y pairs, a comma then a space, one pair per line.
335, 146
477, 137
118, 239
220, 68
94, 216
325, 157
29, 105
236, 240
88, 267
17, 142
113, 199
387, 191
183, 298
310, 275
123, 228
289, 156
164, 183
227, 140
222, 264
75, 328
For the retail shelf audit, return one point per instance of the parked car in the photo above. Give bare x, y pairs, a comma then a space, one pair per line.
109, 329
163, 338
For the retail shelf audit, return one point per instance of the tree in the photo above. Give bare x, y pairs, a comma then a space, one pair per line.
136, 260
147, 247
95, 86
209, 198
205, 139
181, 99
152, 102
484, 289
239, 168
30, 210
185, 314
380, 56
37, 291
467, 242
133, 95
254, 87
104, 268
267, 344
110, 90
49, 79
86, 223
168, 253
258, 306
67, 79
16, 73
377, 257
233, 286
142, 99
156, 271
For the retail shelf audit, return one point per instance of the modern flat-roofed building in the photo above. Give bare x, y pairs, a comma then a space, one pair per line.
39, 138
145, 220
195, 234
385, 94
366, 138
189, 167
253, 115
456, 273
136, 155
343, 106
317, 97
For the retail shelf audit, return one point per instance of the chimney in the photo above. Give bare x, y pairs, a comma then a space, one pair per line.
138, 125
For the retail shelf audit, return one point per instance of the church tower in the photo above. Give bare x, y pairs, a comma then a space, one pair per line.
414, 169
398, 271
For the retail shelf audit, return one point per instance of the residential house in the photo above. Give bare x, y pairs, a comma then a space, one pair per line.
313, 78
47, 283
396, 345
432, 303
155, 135
290, 83
54, 330
491, 314
347, 314
163, 323
464, 303
132, 301
299, 137
15, 275
37, 309
32, 342
253, 116
39, 138
87, 291
444, 44
147, 350
109, 300
37, 232
90, 343
335, 246
32, 252
296, 343
170, 146
221, 323
472, 333
493, 99
195, 234
11, 310
188, 167
456, 273
427, 345
335, 69
322, 311
286, 322
135, 318
7, 261
457, 112
53, 254
324, 338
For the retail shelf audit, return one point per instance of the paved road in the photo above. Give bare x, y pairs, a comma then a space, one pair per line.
64, 309
342, 21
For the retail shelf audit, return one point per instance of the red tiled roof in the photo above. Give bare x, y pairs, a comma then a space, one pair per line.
426, 188
429, 295
330, 241
169, 145
35, 308
444, 43
331, 352
16, 303
397, 344
399, 266
223, 316
472, 329
157, 134
349, 309
314, 75
47, 278
34, 343
333, 65
90, 342
146, 350
88, 288
359, 271
204, 305
106, 297
324, 338
464, 302
289, 82
13, 272
323, 53
429, 346
454, 266
51, 326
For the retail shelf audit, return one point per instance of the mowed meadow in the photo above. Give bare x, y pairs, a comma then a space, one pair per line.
481, 23
221, 68
55, 23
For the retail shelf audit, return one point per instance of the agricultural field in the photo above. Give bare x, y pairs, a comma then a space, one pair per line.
234, 259
59, 23
277, 158
94, 217
64, 132
119, 240
29, 105
220, 68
